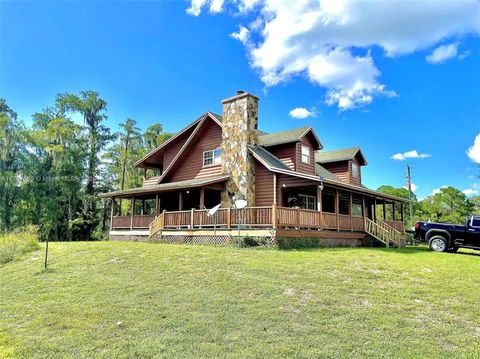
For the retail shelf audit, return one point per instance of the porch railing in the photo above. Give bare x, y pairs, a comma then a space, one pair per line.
260, 217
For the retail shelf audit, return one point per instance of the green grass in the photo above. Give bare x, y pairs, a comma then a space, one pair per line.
17, 243
141, 300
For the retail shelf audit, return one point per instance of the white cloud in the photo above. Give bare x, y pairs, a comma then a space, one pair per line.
241, 35
438, 190
328, 41
215, 6
409, 154
443, 53
301, 112
474, 151
470, 191
413, 186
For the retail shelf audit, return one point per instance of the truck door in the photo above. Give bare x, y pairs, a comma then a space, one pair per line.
473, 232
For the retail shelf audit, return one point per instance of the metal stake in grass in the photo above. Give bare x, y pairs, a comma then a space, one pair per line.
46, 253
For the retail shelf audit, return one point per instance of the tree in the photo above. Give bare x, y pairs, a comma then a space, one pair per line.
154, 136
449, 205
402, 193
11, 151
92, 108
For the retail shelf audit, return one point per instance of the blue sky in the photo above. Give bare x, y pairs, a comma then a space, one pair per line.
154, 62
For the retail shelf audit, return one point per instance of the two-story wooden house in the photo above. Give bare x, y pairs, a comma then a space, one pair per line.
292, 186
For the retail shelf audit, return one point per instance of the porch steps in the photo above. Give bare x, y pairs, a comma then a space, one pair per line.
384, 233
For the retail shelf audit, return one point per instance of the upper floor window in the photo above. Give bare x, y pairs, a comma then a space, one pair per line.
305, 154
212, 157
355, 170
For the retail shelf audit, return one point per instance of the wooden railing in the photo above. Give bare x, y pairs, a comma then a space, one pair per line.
266, 217
383, 232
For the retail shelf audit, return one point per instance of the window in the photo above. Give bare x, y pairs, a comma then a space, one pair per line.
355, 170
308, 202
475, 222
305, 154
212, 157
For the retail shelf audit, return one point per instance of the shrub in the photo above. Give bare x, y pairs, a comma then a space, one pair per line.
248, 241
298, 243
18, 242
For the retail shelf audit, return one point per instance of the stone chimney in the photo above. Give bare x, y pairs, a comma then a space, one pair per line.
240, 120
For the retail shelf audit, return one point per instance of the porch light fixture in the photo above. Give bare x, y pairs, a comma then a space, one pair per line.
321, 182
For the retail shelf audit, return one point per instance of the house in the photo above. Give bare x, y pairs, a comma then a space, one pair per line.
292, 186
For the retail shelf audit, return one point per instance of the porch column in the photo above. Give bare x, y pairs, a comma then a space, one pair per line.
375, 209
132, 211
157, 205
143, 206
275, 188
393, 212
363, 207
112, 212
202, 198
180, 201
144, 173
384, 211
350, 204
337, 211
319, 199
401, 211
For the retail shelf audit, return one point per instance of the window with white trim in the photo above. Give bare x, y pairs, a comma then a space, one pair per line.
305, 154
308, 202
212, 157
355, 170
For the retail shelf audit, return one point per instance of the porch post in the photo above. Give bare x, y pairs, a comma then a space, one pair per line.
144, 173
337, 211
180, 201
275, 188
384, 211
132, 211
393, 212
202, 197
350, 211
401, 211
319, 206
112, 212
363, 207
143, 206
375, 209
157, 207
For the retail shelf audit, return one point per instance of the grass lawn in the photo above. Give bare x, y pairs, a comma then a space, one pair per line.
141, 300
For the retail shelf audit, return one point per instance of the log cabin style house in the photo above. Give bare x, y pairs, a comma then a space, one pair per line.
292, 186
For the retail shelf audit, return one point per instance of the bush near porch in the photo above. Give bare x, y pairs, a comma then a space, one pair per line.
128, 300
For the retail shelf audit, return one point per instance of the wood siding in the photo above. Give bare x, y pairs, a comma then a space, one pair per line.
191, 164
301, 166
355, 180
286, 153
173, 148
340, 169
263, 185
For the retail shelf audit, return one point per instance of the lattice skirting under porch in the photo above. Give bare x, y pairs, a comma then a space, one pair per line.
211, 239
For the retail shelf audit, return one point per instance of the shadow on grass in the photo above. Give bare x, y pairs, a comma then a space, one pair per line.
404, 250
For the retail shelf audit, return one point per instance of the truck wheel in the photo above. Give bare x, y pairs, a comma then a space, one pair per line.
438, 244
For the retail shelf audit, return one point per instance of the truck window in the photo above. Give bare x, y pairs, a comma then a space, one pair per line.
476, 222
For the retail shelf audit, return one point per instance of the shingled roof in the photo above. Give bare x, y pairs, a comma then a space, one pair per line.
287, 136
268, 158
343, 154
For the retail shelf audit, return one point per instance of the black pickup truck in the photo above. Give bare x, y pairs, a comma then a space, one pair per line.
442, 237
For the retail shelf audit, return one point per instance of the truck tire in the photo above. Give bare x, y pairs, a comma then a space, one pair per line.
438, 244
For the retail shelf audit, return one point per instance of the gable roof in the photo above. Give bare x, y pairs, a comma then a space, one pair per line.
287, 136
343, 154
267, 158
323, 172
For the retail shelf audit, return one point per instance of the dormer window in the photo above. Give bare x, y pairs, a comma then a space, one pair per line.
305, 154
355, 170
212, 157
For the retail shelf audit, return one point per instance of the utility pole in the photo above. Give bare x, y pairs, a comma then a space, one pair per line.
409, 184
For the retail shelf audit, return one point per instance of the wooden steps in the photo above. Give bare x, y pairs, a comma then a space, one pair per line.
384, 233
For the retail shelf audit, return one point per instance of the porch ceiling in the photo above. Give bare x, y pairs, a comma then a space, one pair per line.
165, 187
